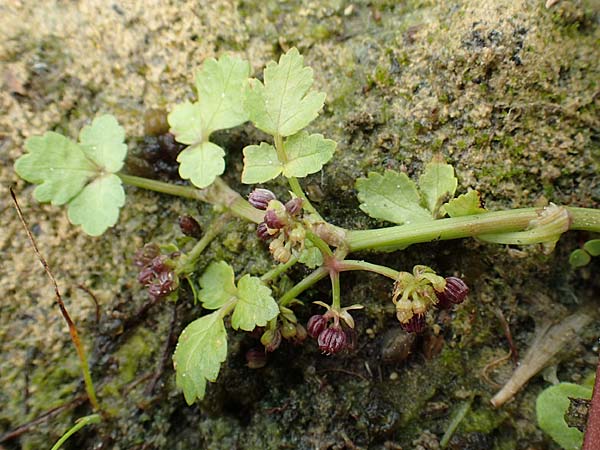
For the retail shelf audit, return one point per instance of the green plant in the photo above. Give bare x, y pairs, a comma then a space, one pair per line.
87, 177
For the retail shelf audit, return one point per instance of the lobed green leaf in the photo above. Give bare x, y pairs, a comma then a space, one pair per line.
201, 349
284, 104
58, 165
96, 207
201, 163
218, 285
255, 306
464, 205
311, 257
392, 197
306, 154
260, 164
103, 143
220, 86
437, 185
185, 121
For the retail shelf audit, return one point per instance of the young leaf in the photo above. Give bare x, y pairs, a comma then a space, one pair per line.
283, 105
311, 257
218, 285
392, 197
58, 165
437, 184
102, 142
185, 121
220, 86
96, 207
201, 163
255, 306
579, 258
201, 349
551, 406
592, 247
306, 154
464, 205
260, 163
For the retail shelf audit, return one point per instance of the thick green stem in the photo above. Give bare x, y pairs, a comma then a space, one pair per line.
303, 285
402, 236
218, 193
350, 264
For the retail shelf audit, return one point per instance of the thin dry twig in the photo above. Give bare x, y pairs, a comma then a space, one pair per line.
94, 299
72, 329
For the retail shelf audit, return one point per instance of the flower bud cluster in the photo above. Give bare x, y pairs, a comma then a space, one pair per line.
417, 293
281, 225
328, 330
156, 272
287, 327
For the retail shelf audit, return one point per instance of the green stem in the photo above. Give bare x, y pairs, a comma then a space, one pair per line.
402, 236
350, 264
187, 262
457, 418
319, 243
336, 303
218, 193
276, 271
303, 285
79, 424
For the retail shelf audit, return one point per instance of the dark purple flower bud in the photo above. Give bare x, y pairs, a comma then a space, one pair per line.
273, 221
260, 198
332, 340
294, 206
416, 324
190, 226
315, 326
256, 358
146, 276
454, 293
158, 264
163, 285
146, 254
262, 231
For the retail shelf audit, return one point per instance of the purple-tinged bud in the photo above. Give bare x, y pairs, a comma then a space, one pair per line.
332, 340
262, 231
316, 325
416, 324
260, 198
294, 206
271, 339
454, 293
273, 220
146, 276
158, 264
256, 358
190, 226
146, 254
163, 285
